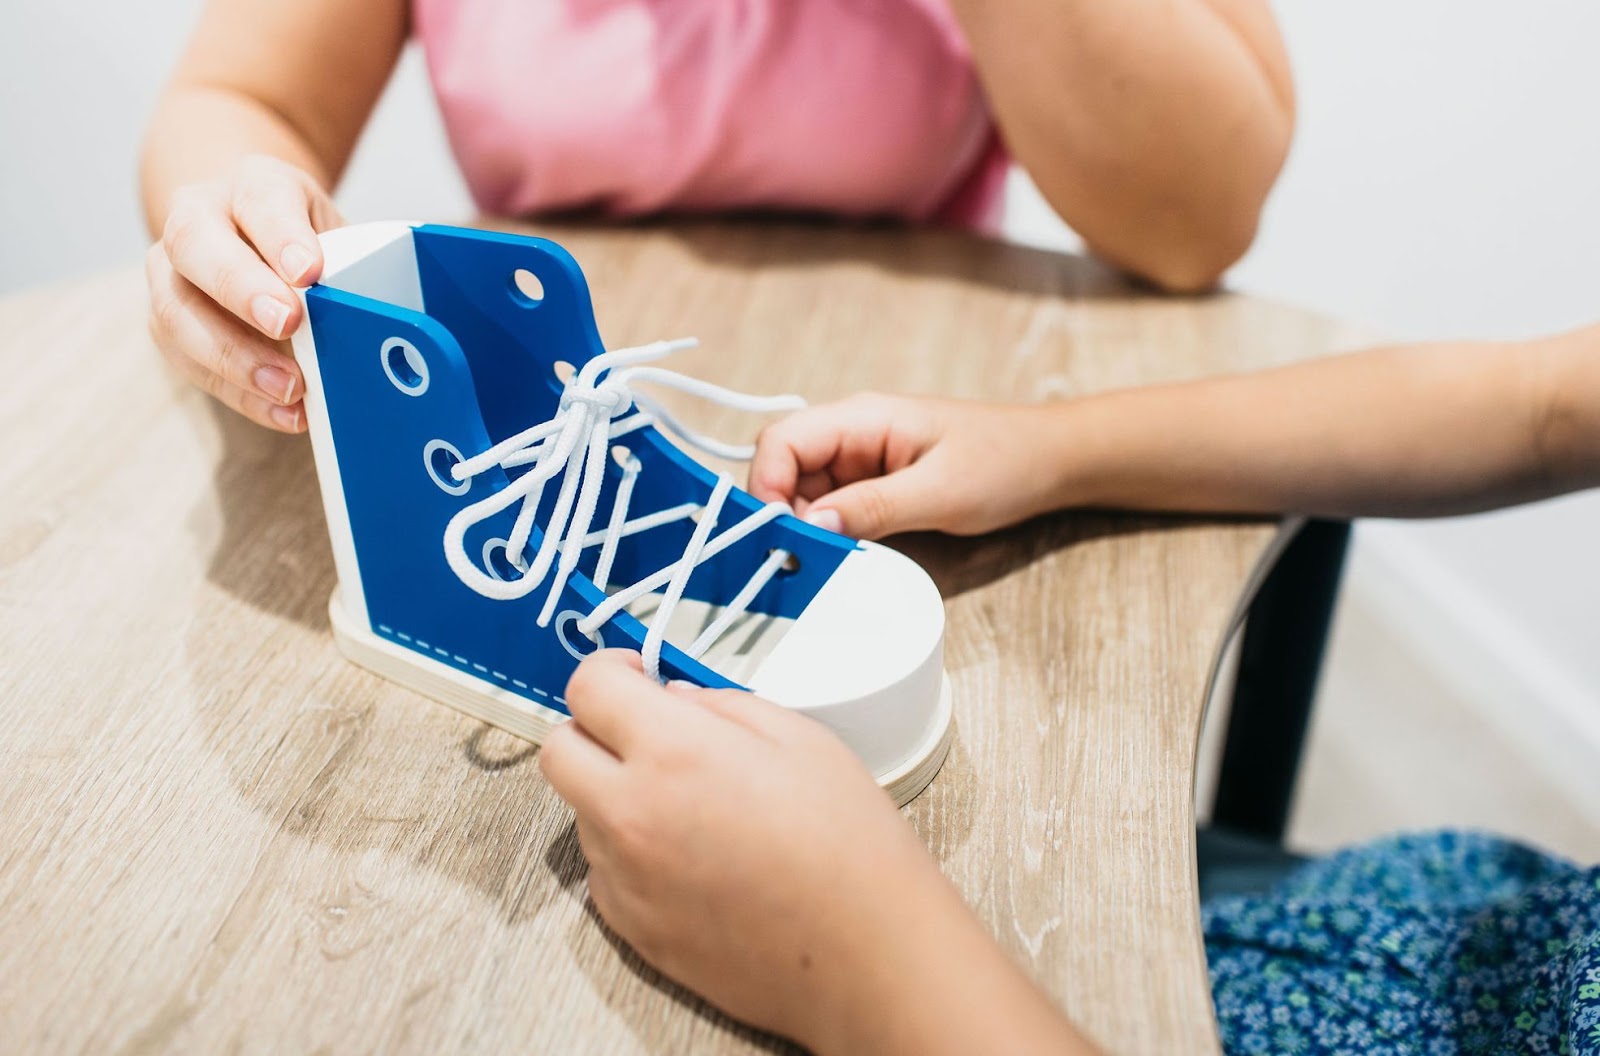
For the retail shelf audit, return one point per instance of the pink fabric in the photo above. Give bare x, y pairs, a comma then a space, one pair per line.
855, 107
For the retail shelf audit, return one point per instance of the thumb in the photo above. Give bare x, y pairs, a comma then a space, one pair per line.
325, 215
906, 501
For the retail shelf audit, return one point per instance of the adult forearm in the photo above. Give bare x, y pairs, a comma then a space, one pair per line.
1154, 127
1410, 431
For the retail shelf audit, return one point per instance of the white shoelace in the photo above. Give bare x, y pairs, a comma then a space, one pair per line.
592, 413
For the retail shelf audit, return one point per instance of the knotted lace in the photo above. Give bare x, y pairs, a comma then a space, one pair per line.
598, 405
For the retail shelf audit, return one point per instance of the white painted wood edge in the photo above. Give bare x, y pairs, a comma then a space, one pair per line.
374, 260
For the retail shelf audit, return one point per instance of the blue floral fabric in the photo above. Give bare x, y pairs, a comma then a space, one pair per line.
1432, 944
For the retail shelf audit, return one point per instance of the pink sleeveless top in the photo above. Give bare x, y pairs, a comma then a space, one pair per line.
854, 107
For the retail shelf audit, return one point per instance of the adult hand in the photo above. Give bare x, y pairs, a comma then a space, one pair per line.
222, 281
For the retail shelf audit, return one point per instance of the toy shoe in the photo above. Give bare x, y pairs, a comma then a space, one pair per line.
503, 500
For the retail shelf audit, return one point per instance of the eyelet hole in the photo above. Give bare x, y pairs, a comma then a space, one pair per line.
497, 560
564, 371
585, 644
623, 456
791, 564
526, 288
404, 365
441, 457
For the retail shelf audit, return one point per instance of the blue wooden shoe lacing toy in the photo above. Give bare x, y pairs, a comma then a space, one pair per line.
503, 501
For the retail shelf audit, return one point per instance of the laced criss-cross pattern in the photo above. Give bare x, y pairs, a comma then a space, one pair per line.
593, 412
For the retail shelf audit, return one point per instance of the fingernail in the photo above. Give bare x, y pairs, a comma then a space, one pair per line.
270, 314
276, 383
287, 417
680, 684
827, 520
295, 261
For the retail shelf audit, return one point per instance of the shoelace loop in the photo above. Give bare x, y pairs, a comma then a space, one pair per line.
593, 410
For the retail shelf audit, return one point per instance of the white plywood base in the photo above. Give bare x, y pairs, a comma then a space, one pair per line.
531, 721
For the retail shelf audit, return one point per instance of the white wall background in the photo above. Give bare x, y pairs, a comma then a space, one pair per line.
1443, 183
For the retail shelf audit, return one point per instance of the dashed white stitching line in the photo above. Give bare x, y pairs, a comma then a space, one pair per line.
478, 667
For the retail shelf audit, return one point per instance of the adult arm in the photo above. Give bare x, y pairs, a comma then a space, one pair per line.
254, 128
1154, 127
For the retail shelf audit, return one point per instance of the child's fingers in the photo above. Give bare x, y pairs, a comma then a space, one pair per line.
911, 500
272, 208
812, 486
610, 697
579, 769
204, 248
775, 469
849, 435
759, 716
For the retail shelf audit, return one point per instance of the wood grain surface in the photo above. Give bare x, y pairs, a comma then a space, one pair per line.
216, 834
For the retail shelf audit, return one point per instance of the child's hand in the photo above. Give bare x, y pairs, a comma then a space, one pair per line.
872, 465
220, 285
742, 849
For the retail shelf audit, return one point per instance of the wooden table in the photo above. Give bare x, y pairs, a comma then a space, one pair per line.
215, 833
